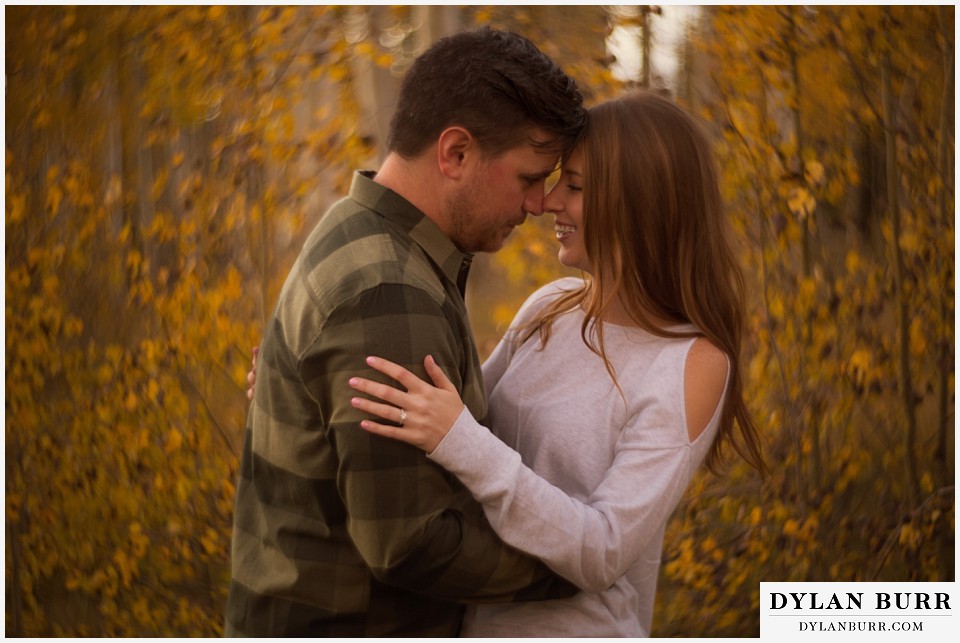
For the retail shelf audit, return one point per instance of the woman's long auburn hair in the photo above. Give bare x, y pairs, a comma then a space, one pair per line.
655, 234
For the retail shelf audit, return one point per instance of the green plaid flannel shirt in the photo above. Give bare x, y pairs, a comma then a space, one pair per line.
338, 532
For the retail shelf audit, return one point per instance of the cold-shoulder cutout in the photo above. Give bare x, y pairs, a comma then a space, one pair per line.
705, 378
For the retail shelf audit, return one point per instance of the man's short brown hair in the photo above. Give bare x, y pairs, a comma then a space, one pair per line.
495, 84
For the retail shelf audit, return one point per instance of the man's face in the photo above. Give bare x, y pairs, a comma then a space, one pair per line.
497, 197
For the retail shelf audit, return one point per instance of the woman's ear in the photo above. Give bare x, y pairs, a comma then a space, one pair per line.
454, 148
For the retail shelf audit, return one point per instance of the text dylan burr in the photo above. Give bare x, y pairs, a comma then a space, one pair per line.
855, 601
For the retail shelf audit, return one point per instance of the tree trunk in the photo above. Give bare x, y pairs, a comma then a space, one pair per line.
902, 318
812, 403
645, 47
134, 184
254, 181
945, 344
436, 22
14, 590
375, 88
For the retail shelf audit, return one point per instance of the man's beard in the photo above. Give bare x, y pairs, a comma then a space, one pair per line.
466, 222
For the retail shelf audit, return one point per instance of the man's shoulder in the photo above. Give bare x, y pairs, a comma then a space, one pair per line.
354, 249
350, 233
350, 262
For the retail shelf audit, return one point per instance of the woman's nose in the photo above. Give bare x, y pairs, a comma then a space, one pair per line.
552, 202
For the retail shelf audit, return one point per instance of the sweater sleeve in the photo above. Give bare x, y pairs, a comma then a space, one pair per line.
592, 542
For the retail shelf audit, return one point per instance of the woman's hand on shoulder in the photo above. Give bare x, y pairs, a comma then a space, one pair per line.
424, 413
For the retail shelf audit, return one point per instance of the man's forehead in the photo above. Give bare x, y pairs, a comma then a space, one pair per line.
545, 143
542, 151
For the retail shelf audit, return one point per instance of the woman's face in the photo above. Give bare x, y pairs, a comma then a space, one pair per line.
565, 201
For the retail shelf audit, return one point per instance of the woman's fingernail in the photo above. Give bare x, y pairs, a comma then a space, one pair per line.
371, 360
354, 381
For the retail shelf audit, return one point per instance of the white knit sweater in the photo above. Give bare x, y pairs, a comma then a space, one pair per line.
578, 477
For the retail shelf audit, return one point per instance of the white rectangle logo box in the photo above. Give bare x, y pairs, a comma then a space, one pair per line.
858, 611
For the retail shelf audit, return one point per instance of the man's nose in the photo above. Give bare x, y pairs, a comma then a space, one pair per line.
533, 203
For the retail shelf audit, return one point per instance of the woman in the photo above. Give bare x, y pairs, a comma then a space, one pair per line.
608, 392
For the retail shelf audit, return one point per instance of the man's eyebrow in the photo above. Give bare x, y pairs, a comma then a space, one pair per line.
536, 176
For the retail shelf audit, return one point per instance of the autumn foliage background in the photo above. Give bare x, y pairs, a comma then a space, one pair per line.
163, 165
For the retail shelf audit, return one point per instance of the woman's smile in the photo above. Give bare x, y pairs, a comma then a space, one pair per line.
563, 231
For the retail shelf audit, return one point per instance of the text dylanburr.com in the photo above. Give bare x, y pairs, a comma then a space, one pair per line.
797, 611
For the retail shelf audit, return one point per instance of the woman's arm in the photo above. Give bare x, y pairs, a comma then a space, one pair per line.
591, 542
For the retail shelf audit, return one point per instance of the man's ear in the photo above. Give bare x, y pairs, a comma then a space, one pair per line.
455, 147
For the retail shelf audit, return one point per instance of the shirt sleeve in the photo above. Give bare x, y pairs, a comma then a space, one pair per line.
591, 542
414, 525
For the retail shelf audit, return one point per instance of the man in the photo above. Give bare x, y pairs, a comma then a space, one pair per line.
338, 532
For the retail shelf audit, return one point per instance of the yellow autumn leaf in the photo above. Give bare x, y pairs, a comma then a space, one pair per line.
813, 172
918, 340
153, 390
16, 206
909, 536
54, 197
790, 527
42, 119
210, 541
910, 241
801, 203
806, 293
174, 441
337, 73
708, 545
853, 261
777, 310
124, 566
141, 611
860, 359
143, 439
364, 49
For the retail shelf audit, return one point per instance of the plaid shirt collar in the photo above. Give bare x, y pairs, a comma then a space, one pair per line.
454, 264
